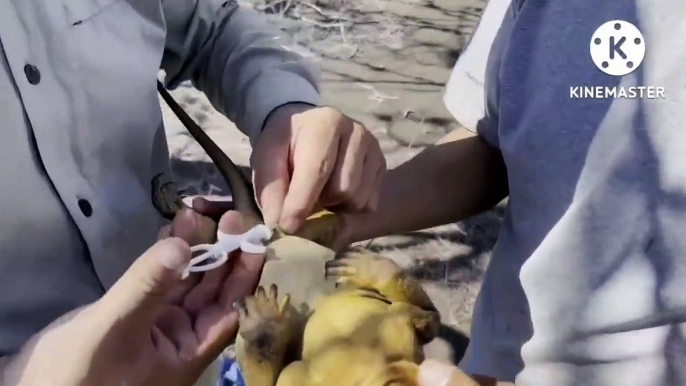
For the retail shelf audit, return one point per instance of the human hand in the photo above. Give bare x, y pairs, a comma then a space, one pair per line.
141, 332
314, 155
434, 373
197, 224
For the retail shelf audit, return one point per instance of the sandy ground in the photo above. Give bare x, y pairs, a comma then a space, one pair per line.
385, 63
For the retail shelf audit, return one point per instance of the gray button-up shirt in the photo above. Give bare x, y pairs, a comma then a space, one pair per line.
82, 136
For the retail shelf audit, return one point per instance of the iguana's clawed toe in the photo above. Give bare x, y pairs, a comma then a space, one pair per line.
338, 269
362, 269
263, 320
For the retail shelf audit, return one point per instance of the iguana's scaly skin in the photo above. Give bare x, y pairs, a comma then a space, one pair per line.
322, 227
369, 331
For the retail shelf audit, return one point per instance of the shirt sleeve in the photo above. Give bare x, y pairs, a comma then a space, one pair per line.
471, 94
237, 59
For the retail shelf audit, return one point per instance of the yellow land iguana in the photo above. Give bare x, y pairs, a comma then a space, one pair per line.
348, 321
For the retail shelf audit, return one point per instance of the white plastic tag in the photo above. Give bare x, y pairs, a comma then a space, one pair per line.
251, 241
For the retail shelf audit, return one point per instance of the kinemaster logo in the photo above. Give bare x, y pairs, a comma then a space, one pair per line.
617, 48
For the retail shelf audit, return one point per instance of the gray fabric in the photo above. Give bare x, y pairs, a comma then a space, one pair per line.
91, 129
593, 234
44, 265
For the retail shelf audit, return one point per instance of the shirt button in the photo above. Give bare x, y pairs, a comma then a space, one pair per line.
85, 207
32, 74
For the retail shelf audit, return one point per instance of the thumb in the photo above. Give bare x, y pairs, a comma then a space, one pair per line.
434, 373
139, 294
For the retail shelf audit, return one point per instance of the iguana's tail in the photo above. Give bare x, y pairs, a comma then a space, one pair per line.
241, 188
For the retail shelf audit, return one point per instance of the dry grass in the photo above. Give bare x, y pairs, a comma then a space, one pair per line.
384, 63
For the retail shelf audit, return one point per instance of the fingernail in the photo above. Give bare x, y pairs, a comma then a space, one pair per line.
269, 218
434, 373
173, 254
271, 221
289, 224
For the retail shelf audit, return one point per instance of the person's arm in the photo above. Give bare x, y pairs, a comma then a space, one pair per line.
463, 176
309, 153
237, 59
445, 183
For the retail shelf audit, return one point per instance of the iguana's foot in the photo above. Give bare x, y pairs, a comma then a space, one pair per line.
266, 325
361, 268
165, 198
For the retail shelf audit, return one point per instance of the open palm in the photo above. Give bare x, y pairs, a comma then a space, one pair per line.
150, 328
198, 320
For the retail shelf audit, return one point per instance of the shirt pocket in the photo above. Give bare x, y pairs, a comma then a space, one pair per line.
79, 11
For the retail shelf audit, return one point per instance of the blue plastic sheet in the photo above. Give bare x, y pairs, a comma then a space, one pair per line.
230, 374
